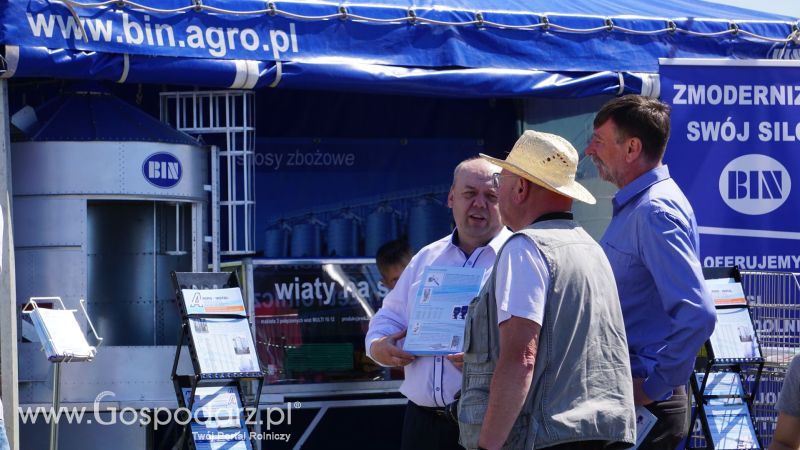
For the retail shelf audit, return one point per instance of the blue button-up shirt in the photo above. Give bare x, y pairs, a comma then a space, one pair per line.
653, 247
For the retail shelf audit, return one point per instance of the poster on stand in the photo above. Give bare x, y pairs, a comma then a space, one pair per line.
734, 336
726, 292
219, 415
224, 346
214, 301
722, 387
731, 426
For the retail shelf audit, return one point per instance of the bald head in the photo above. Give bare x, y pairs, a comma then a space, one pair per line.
474, 203
475, 163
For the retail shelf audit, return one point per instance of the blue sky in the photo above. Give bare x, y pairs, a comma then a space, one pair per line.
786, 7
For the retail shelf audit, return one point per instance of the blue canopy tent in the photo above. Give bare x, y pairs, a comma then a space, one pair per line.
474, 48
437, 48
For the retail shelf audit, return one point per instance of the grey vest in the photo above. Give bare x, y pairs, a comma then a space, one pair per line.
581, 388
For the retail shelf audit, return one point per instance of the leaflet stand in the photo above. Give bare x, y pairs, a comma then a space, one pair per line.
216, 329
726, 399
63, 341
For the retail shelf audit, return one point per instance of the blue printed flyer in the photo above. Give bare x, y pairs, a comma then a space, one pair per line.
438, 315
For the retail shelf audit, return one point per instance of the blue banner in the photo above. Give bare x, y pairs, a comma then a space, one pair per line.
581, 35
733, 150
455, 48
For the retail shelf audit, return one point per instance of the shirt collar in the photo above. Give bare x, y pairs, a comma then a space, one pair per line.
639, 185
496, 243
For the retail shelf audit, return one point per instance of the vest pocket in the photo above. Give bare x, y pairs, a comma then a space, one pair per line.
472, 413
476, 336
474, 396
475, 357
472, 407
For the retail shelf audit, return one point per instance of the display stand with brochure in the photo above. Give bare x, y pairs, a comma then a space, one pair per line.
217, 332
62, 341
220, 412
722, 403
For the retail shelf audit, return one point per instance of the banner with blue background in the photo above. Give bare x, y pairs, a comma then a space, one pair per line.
734, 150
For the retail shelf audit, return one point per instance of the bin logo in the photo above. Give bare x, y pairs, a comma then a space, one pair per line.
162, 170
754, 184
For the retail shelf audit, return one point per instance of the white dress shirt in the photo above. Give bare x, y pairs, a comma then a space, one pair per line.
430, 380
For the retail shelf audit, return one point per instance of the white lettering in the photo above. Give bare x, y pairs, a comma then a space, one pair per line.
277, 49
146, 30
730, 94
154, 169
751, 262
39, 24
173, 169
216, 41
678, 98
69, 28
130, 28
163, 27
99, 30
249, 39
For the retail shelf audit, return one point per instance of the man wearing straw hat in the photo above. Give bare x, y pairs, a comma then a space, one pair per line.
652, 244
546, 361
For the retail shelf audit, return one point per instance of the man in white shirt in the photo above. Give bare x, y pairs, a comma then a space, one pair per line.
432, 381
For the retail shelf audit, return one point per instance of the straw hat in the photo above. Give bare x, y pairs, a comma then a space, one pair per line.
547, 160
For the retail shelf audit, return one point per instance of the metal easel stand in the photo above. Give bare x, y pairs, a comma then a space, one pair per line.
733, 365
207, 281
57, 368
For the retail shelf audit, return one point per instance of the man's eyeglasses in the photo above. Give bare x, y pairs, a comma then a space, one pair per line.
496, 179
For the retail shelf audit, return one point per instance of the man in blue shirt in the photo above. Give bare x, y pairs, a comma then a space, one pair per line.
653, 247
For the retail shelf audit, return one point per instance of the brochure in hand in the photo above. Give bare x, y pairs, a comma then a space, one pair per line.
437, 320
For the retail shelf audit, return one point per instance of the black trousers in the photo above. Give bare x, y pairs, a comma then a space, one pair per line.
424, 429
672, 426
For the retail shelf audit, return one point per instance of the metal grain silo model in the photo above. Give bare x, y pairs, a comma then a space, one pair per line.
107, 201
